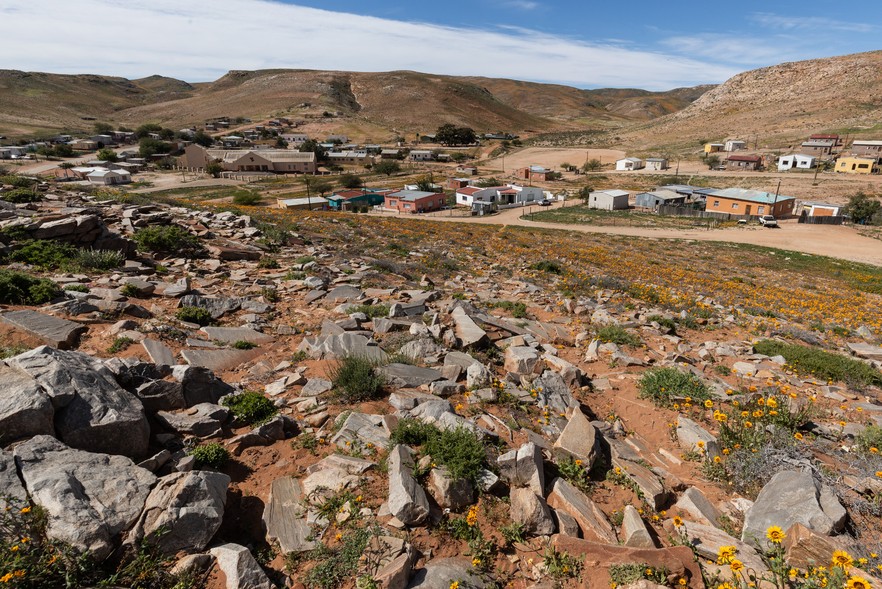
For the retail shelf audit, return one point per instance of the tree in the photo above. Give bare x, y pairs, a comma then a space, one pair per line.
146, 129
592, 165
149, 146
66, 165
351, 181
214, 168
449, 134
387, 167
202, 138
712, 161
166, 134
281, 143
426, 184
322, 187
321, 154
64, 150
585, 194
103, 128
107, 154
862, 208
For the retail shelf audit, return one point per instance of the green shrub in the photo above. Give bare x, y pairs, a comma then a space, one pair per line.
167, 239
250, 407
76, 287
666, 322
99, 259
18, 181
246, 199
268, 263
243, 345
412, 432
129, 290
212, 455
336, 566
518, 310
20, 195
196, 315
631, 572
547, 266
120, 344
18, 288
665, 386
304, 260
513, 533
460, 450
825, 365
617, 335
356, 379
869, 439
371, 311
44, 253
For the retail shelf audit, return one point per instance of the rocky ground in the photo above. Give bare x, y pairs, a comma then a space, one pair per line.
336, 400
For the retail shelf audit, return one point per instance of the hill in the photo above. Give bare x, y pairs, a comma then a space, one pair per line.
778, 104
383, 103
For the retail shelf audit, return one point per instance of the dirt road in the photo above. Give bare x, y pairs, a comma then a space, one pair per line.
826, 240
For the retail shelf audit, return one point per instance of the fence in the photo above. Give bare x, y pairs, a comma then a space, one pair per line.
676, 211
837, 220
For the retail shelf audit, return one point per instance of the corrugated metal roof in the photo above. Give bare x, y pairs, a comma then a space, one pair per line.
411, 195
749, 195
613, 193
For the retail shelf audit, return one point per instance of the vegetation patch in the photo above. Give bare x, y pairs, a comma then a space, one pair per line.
356, 380
460, 450
372, 311
669, 386
518, 309
212, 455
18, 288
120, 344
168, 239
618, 335
824, 365
196, 315
250, 407
44, 253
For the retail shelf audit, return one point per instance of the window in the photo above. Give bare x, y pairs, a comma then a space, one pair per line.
734, 205
760, 210
393, 203
863, 166
716, 203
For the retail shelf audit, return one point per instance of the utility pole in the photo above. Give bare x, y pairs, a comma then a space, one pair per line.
776, 197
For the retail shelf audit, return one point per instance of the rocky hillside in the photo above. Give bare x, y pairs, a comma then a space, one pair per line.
256, 399
787, 101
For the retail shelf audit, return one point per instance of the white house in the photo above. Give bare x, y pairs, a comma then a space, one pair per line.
108, 177
421, 155
735, 145
608, 200
796, 160
629, 164
510, 194
656, 163
466, 196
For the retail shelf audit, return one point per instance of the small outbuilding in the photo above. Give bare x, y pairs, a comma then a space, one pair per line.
821, 209
608, 200
108, 177
656, 163
312, 203
656, 198
629, 164
797, 160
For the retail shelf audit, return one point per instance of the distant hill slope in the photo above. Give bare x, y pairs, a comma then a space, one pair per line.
778, 104
400, 101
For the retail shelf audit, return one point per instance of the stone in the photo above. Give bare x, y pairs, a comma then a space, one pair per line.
468, 334
867, 351
203, 420
90, 498
446, 388
141, 288
345, 293
193, 564
578, 440
362, 428
56, 332
328, 480
790, 497
554, 393
231, 335
571, 374
565, 497
407, 499
341, 346
531, 510
175, 289
284, 517
407, 400
161, 395
477, 376
567, 524
649, 484
694, 438
25, 408
699, 508
92, 411
217, 306
524, 467
200, 385
158, 352
240, 568
219, 360
421, 349
315, 387
634, 529
460, 359
407, 376
183, 511
707, 540
441, 572
744, 368
10, 483
521, 360
391, 560
804, 548
449, 492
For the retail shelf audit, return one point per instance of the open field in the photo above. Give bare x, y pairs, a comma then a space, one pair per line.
552, 157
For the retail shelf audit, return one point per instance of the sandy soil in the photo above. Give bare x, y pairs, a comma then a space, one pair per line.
552, 157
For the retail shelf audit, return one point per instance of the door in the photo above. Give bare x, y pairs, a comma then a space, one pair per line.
747, 209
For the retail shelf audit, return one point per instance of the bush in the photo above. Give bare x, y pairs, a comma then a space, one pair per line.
618, 335
167, 239
460, 450
665, 386
196, 315
120, 344
246, 199
356, 379
869, 441
518, 310
212, 455
20, 195
665, 322
547, 266
371, 311
100, 259
825, 365
250, 407
44, 253
244, 345
76, 287
412, 432
18, 288
268, 263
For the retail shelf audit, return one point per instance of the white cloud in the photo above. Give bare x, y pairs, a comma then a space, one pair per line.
522, 4
810, 23
199, 40
731, 48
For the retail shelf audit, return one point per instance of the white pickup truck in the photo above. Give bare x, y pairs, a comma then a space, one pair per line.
768, 221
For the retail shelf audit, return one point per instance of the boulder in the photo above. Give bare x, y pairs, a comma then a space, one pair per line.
200, 385
56, 332
694, 438
554, 393
468, 334
449, 492
25, 408
240, 568
699, 508
405, 376
90, 499
158, 352
634, 530
442, 572
341, 346
477, 376
284, 517
407, 499
363, 428
161, 395
10, 483
565, 497
231, 335
791, 497
219, 360
521, 359
578, 440
183, 511
391, 561
531, 510
524, 467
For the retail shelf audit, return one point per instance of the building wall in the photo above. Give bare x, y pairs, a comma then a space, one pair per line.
721, 204
426, 204
853, 165
607, 202
871, 150
741, 165
822, 212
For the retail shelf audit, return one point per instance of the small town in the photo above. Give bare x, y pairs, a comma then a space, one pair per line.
299, 318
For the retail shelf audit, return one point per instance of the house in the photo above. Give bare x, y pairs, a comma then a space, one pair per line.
690, 192
467, 170
836, 139
743, 162
108, 177
797, 160
821, 209
735, 145
853, 164
346, 200
656, 198
84, 145
538, 173
713, 147
741, 201
629, 164
310, 203
870, 148
340, 139
656, 163
457, 183
103, 140
431, 186
7, 151
466, 195
350, 158
295, 139
510, 194
818, 147
197, 157
608, 200
390, 154
422, 155
232, 140
415, 201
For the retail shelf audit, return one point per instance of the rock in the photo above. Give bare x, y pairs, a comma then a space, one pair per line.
554, 393
594, 524
653, 490
219, 360
867, 351
217, 306
531, 511
326, 477
804, 548
449, 492
240, 568
231, 335
200, 385
58, 333
10, 483
634, 530
699, 508
363, 428
441, 572
477, 376
468, 333
407, 376
524, 467
183, 511
284, 517
744, 368
446, 388
315, 387
407, 500
578, 440
567, 524
345, 294
391, 561
571, 374
521, 359
694, 438
204, 420
407, 400
460, 359
193, 564
793, 496
707, 540
161, 395
341, 346
99, 416
176, 289
422, 348
25, 408
158, 352
90, 499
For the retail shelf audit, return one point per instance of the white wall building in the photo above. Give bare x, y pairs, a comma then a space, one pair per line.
629, 164
796, 160
608, 200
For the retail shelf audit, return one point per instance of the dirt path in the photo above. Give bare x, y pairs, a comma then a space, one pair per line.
826, 240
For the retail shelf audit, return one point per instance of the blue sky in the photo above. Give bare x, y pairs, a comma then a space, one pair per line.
589, 44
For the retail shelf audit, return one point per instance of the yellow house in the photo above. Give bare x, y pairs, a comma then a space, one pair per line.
713, 147
853, 164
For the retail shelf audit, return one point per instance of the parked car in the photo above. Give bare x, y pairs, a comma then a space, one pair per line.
768, 221
544, 203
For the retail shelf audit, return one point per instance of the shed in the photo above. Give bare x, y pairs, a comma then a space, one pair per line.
797, 160
629, 164
656, 163
312, 203
608, 200
821, 209
652, 200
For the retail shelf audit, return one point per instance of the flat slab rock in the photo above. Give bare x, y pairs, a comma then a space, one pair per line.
231, 335
158, 352
56, 332
407, 376
219, 360
284, 518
